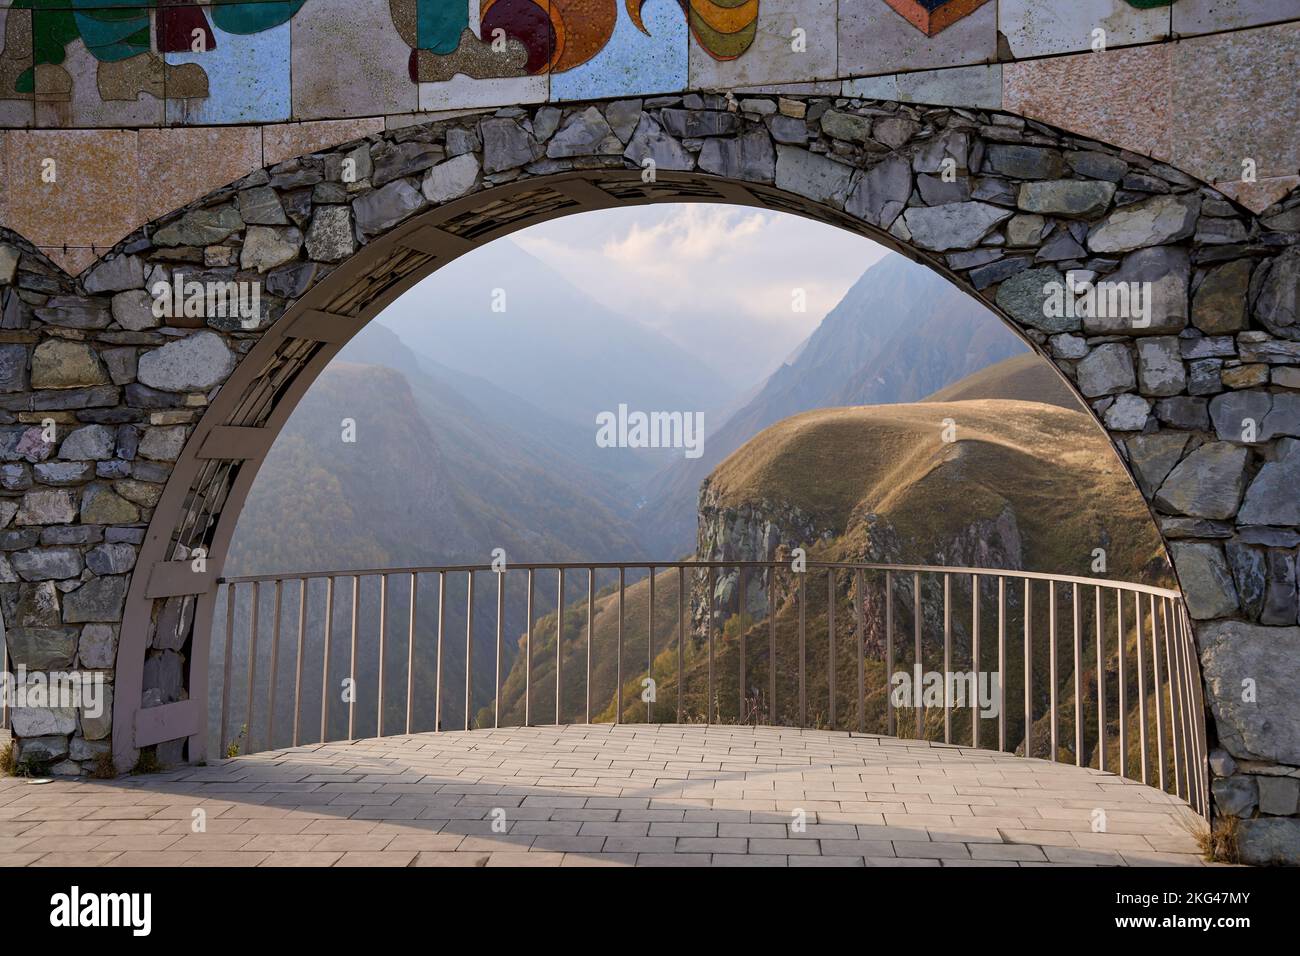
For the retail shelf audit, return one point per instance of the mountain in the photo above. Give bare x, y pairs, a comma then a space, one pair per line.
444, 469
427, 458
899, 334
1026, 378
552, 346
1022, 485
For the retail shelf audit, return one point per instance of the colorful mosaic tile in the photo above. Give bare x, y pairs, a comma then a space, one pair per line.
1205, 16
246, 70
1121, 97
92, 66
488, 40
934, 16
645, 55
15, 62
875, 37
795, 41
353, 65
1044, 27
84, 91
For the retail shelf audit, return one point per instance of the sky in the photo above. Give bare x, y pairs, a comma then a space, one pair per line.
719, 280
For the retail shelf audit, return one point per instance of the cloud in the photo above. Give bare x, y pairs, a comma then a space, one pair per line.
718, 279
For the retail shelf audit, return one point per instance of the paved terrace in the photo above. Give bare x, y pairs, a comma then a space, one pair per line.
599, 794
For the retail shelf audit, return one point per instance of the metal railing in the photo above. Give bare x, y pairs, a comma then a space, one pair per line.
1096, 672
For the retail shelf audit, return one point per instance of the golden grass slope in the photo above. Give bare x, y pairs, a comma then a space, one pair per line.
1026, 378
1053, 467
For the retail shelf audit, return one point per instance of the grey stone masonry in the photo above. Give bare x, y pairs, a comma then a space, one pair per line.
1189, 353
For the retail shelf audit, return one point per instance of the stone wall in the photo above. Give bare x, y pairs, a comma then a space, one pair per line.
1203, 401
138, 127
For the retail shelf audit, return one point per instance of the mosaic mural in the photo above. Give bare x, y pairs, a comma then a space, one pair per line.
146, 104
185, 50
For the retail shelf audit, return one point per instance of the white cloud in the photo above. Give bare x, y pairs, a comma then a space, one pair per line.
718, 279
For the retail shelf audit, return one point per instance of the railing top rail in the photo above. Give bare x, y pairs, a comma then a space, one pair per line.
1131, 586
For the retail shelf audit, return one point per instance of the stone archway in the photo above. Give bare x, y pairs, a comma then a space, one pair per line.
169, 418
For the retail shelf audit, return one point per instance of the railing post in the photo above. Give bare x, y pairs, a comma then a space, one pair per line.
1189, 717
1029, 668
681, 636
649, 647
1002, 664
1099, 614
803, 655
1173, 671
1142, 687
622, 586
223, 734
1122, 690
559, 644
252, 665
771, 643
740, 585
410, 654
711, 585
352, 660
1202, 757
325, 659
947, 657
975, 653
528, 653
297, 671
591, 616
1053, 673
918, 654
442, 627
275, 666
501, 624
1159, 697
469, 649
830, 639
890, 729
383, 641
1078, 674
862, 663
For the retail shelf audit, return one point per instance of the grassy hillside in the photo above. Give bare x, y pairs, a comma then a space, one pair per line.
1051, 467
1025, 378
871, 479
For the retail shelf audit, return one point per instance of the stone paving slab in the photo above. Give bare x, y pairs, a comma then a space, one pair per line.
550, 796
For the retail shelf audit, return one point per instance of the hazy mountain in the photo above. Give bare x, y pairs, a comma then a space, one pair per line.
899, 334
428, 458
1025, 485
552, 346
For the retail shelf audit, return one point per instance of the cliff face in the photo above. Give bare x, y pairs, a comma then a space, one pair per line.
768, 529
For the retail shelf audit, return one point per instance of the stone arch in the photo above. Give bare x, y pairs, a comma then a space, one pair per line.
999, 205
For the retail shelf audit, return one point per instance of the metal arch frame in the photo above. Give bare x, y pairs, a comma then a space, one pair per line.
157, 577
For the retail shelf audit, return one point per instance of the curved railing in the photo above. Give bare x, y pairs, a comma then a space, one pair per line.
1096, 672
